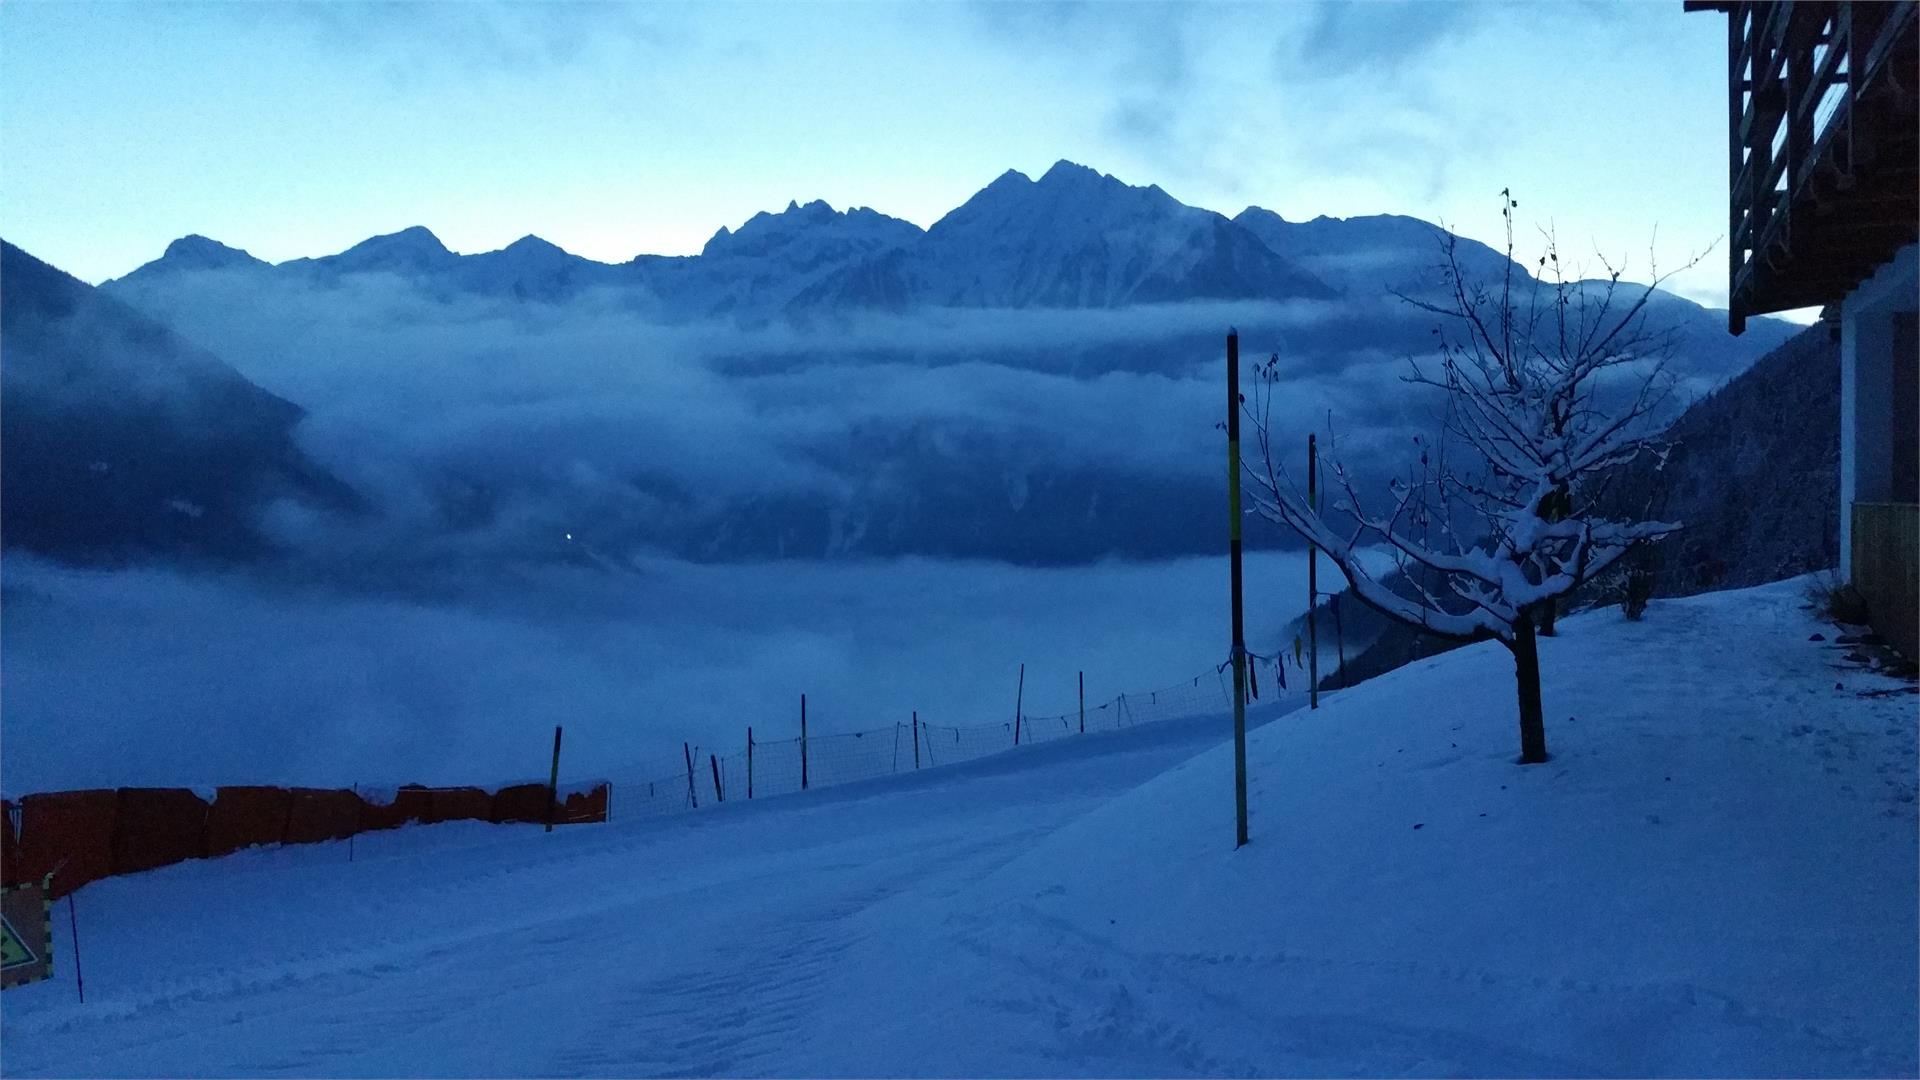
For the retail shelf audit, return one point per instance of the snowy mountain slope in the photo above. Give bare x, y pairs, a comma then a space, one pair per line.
527, 269
1368, 256
531, 269
1076, 238
762, 268
1372, 260
805, 236
1715, 876
1072, 239
411, 251
195, 253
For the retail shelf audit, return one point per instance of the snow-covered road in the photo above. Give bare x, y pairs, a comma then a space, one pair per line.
693, 945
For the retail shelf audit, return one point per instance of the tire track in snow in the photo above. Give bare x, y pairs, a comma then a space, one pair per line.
760, 993
1108, 1002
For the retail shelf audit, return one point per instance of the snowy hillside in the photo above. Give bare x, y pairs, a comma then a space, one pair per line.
1714, 876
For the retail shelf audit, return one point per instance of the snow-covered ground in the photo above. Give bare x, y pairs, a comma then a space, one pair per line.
1715, 875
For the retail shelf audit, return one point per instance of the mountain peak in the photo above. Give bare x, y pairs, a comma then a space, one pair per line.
1260, 214
411, 238
531, 244
410, 249
1012, 178
1064, 171
202, 252
763, 233
196, 252
1067, 193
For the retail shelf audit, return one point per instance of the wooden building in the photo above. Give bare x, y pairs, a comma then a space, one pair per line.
1823, 165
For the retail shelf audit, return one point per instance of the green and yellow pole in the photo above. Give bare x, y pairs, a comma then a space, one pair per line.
1313, 580
1233, 558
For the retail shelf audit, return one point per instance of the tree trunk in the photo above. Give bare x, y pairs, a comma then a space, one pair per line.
1555, 507
1526, 671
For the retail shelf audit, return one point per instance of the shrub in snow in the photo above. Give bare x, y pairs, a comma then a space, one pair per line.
1836, 601
1549, 385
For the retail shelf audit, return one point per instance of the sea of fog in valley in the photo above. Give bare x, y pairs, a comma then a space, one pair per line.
168, 676
390, 515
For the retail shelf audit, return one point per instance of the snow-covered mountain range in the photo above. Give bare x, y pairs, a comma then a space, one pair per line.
1034, 378
1074, 238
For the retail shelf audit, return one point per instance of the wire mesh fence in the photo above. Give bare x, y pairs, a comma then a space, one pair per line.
769, 767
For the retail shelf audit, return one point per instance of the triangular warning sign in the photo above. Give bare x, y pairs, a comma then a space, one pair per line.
13, 950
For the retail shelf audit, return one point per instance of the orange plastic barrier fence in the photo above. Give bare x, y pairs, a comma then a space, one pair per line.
247, 816
95, 834
157, 827
459, 804
69, 829
9, 848
583, 806
521, 802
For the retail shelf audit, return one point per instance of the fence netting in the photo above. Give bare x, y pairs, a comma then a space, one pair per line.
704, 776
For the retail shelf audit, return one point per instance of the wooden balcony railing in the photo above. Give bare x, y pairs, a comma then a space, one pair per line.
1823, 152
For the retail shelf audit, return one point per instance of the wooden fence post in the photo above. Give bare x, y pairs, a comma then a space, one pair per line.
803, 742
553, 780
719, 793
1019, 696
749, 761
1083, 703
692, 797
916, 738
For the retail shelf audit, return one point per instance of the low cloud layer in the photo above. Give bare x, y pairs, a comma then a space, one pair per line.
657, 532
163, 677
526, 422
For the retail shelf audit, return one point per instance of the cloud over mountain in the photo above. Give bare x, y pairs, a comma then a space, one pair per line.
1034, 378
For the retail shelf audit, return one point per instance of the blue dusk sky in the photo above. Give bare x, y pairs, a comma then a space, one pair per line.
299, 129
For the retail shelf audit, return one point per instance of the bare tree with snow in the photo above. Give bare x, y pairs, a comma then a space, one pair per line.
1550, 384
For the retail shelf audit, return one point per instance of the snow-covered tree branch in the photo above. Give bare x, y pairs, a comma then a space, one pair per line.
1549, 382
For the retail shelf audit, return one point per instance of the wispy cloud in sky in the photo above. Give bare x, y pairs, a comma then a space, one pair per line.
297, 129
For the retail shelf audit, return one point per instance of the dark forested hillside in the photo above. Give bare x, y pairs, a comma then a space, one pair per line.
1754, 474
122, 440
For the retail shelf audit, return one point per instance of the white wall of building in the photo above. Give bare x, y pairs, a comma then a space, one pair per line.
1866, 386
